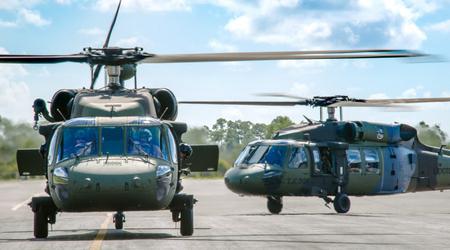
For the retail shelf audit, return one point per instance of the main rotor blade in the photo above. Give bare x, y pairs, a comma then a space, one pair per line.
280, 55
275, 94
97, 70
112, 26
249, 103
37, 59
389, 102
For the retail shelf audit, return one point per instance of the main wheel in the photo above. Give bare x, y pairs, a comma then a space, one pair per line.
40, 223
187, 222
118, 220
274, 204
341, 203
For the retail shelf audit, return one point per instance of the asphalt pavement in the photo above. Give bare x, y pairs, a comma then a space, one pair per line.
224, 220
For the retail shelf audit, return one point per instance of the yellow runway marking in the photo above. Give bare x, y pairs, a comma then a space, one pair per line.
25, 202
97, 244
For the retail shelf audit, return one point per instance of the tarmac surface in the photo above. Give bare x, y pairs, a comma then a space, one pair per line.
224, 220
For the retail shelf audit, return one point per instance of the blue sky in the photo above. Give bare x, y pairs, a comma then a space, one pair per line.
183, 26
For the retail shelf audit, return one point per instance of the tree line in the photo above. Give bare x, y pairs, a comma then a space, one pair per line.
231, 136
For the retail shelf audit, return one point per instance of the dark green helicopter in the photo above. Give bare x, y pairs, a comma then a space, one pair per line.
120, 149
337, 158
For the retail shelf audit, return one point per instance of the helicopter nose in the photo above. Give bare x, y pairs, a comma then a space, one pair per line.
246, 181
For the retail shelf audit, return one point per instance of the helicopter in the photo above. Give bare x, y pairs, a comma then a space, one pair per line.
119, 149
336, 157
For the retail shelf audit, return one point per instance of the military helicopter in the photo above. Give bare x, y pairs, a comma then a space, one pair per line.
120, 149
337, 158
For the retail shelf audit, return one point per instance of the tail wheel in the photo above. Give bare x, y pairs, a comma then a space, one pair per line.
274, 204
40, 223
341, 203
187, 222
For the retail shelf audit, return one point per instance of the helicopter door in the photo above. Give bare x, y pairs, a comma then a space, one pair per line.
296, 171
364, 167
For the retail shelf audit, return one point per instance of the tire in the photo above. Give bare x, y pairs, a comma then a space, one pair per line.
274, 204
341, 203
40, 223
187, 222
118, 221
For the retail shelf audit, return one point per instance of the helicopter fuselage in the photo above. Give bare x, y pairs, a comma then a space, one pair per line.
353, 158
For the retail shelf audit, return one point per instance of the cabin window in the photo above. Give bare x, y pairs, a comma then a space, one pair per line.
298, 158
354, 160
112, 141
144, 141
78, 142
317, 163
372, 161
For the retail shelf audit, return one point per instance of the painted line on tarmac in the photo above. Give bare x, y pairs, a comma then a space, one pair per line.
97, 244
25, 202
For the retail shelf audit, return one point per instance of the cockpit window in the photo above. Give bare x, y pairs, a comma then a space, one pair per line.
275, 155
298, 158
112, 141
270, 154
145, 141
78, 141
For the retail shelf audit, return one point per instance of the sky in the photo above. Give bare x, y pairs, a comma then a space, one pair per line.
194, 26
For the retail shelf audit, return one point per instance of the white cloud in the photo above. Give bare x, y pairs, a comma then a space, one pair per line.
15, 97
17, 4
33, 17
145, 5
232, 113
443, 26
312, 24
128, 42
7, 24
64, 2
378, 96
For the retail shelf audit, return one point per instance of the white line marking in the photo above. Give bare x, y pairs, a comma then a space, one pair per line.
23, 203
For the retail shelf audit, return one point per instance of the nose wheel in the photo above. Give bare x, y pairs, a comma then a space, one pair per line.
274, 204
119, 219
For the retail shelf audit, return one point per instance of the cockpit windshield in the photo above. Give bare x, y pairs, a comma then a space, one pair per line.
112, 140
270, 154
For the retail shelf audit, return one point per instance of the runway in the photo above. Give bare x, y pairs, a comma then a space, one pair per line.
224, 220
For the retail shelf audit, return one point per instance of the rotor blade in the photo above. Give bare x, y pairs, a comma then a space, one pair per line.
275, 94
388, 102
36, 59
98, 68
280, 55
105, 45
250, 103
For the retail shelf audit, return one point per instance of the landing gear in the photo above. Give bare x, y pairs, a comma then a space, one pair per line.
44, 213
182, 207
274, 204
119, 219
341, 203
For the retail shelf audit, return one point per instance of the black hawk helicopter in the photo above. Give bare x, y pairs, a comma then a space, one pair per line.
119, 149
337, 158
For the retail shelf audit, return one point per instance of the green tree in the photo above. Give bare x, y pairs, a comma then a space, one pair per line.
197, 135
278, 123
12, 137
